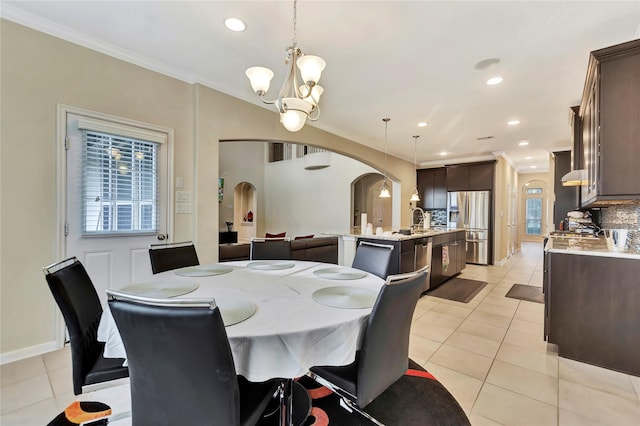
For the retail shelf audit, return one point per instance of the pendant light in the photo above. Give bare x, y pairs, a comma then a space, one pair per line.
384, 189
415, 196
299, 96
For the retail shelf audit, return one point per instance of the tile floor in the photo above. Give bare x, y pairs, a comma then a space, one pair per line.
489, 353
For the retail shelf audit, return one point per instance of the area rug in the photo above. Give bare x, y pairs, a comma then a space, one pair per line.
530, 293
458, 289
416, 399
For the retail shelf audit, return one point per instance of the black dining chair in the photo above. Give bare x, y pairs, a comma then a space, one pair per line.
270, 249
78, 300
384, 355
373, 258
181, 366
166, 257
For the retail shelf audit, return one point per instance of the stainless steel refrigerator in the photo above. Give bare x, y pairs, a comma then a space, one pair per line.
469, 210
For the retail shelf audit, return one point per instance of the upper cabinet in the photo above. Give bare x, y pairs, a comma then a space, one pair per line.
471, 177
432, 188
610, 121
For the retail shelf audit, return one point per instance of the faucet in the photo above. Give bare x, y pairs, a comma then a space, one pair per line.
420, 223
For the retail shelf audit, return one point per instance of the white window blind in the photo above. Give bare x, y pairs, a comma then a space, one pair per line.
120, 184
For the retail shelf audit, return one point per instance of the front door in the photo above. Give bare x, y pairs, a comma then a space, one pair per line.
117, 195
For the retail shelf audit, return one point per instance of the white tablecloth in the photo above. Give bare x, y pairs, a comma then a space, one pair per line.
289, 333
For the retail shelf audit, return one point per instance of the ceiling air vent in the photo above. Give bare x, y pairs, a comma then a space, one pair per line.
485, 138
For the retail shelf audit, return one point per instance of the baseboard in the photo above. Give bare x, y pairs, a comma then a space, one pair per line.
24, 353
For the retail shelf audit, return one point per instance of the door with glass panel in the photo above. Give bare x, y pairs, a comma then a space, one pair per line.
117, 196
534, 212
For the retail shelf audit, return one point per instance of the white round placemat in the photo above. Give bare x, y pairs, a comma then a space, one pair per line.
345, 297
270, 265
234, 311
340, 273
161, 289
203, 270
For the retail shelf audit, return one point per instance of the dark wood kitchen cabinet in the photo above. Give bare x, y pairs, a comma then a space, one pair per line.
448, 256
566, 196
471, 177
609, 113
592, 309
432, 187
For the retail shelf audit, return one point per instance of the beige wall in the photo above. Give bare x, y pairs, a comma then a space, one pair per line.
37, 73
505, 240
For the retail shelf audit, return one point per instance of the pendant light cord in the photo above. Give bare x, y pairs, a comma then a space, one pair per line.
386, 122
295, 12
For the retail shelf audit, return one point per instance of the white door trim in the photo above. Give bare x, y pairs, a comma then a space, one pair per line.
62, 111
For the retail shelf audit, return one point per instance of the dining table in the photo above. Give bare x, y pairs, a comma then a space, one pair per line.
281, 316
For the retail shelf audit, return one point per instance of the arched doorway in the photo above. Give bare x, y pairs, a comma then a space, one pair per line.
535, 209
365, 192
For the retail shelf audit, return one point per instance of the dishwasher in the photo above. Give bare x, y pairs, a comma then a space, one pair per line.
423, 247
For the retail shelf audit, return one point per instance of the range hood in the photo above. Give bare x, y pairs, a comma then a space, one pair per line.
575, 178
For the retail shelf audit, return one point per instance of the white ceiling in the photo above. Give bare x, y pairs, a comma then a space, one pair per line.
411, 61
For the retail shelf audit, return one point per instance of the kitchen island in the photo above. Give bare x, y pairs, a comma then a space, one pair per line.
592, 303
442, 249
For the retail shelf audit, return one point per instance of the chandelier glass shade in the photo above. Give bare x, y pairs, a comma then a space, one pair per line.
299, 96
384, 189
415, 197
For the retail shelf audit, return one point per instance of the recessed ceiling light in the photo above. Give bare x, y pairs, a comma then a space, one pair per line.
523, 143
422, 124
443, 153
493, 81
234, 24
513, 122
528, 158
534, 167
487, 63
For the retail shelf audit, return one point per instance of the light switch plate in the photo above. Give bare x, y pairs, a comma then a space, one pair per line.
183, 208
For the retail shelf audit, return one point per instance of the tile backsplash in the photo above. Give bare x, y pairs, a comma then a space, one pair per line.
438, 217
624, 216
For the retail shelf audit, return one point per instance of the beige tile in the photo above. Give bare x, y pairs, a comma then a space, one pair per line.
507, 311
24, 393
436, 318
502, 301
525, 340
431, 331
456, 311
524, 381
567, 418
491, 319
465, 362
58, 359
603, 407
510, 408
478, 420
601, 379
635, 381
463, 388
427, 303
527, 327
22, 370
533, 360
40, 413
530, 316
531, 307
61, 380
417, 313
421, 349
63, 400
476, 344
483, 330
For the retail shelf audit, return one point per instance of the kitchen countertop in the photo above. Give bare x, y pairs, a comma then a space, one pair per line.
401, 237
587, 247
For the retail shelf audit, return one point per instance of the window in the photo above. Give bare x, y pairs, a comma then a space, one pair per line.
120, 184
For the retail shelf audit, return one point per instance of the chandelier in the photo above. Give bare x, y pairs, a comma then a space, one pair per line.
414, 195
384, 189
299, 95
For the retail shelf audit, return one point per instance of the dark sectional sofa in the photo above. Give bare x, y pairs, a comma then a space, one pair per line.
320, 249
